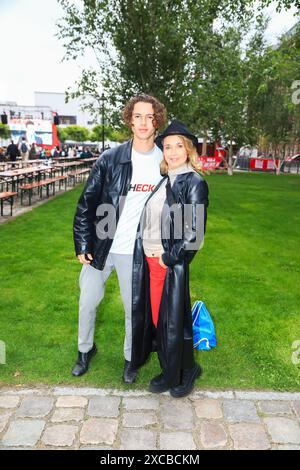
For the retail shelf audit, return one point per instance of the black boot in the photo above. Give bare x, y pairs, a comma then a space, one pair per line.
129, 373
187, 382
159, 384
83, 361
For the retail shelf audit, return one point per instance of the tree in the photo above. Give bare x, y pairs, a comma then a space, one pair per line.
76, 133
147, 46
277, 116
115, 135
4, 131
61, 134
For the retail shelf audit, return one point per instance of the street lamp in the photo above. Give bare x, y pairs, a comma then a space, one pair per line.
102, 101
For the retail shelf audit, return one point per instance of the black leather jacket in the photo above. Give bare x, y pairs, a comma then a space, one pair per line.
108, 181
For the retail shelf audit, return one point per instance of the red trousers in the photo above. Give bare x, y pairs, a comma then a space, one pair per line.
157, 279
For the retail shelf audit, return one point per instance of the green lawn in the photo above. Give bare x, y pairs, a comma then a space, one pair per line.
247, 274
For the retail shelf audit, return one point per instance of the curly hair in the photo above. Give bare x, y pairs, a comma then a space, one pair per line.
160, 114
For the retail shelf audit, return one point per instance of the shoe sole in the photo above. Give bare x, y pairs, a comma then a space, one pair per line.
153, 389
196, 375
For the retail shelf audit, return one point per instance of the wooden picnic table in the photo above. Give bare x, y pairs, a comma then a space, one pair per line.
66, 166
16, 175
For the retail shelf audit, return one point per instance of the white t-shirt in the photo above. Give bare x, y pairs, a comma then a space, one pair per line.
145, 176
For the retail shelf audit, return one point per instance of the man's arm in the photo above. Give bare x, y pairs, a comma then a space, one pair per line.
83, 227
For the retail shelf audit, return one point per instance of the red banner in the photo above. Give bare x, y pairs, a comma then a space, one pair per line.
262, 164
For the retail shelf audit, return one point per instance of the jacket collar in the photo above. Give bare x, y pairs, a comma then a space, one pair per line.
182, 177
125, 156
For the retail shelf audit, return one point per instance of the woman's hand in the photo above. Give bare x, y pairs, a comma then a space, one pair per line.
82, 258
161, 263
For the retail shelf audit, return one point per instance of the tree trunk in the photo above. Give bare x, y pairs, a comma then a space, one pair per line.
204, 146
230, 170
277, 167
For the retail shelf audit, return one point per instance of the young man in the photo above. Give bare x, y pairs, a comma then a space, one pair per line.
122, 179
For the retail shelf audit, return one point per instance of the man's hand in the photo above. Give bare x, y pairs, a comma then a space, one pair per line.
82, 258
162, 263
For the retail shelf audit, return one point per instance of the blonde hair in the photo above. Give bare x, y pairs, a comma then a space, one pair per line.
192, 157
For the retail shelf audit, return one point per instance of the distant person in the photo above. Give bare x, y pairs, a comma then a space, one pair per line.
12, 151
86, 153
2, 154
71, 152
32, 152
64, 151
55, 152
89, 153
24, 149
42, 153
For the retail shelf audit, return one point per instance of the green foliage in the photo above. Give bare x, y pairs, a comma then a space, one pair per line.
152, 46
76, 133
4, 131
61, 134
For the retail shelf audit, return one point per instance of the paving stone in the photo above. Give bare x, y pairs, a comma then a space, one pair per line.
177, 441
131, 393
4, 418
71, 402
83, 391
296, 407
102, 392
138, 420
213, 435
9, 401
23, 432
247, 436
104, 407
59, 435
208, 408
16, 448
67, 414
177, 415
274, 407
260, 396
99, 430
95, 448
283, 430
239, 411
141, 403
35, 407
213, 395
288, 447
25, 392
138, 439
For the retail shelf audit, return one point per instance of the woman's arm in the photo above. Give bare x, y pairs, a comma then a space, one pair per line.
83, 226
197, 194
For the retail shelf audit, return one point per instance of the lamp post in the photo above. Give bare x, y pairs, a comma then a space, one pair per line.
102, 107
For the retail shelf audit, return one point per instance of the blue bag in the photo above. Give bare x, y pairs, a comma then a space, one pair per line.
204, 335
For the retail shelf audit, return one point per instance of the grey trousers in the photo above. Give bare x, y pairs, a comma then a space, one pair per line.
92, 288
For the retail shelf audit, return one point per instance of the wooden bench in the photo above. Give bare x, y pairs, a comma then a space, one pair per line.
40, 185
4, 196
75, 173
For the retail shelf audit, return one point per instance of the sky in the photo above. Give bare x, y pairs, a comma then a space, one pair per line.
31, 55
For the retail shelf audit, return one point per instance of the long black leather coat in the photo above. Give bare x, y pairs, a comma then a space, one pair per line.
109, 179
174, 334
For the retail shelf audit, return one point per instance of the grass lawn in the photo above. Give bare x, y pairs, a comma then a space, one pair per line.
247, 273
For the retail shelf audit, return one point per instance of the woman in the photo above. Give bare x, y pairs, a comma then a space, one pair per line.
161, 308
